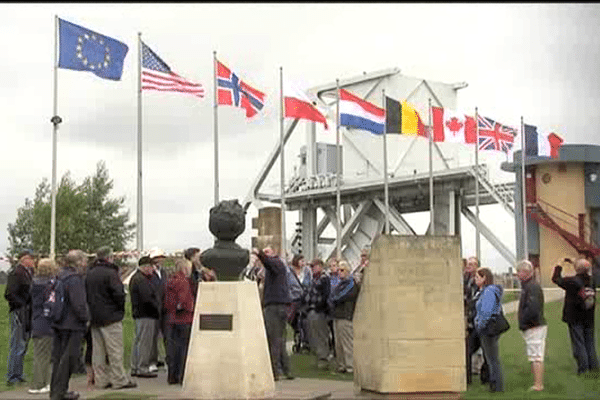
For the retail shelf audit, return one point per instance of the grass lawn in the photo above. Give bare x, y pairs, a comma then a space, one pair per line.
510, 296
561, 381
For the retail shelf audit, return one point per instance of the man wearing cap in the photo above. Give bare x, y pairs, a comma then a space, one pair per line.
106, 299
19, 302
157, 257
145, 310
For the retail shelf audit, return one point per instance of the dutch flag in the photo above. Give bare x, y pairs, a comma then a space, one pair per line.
360, 114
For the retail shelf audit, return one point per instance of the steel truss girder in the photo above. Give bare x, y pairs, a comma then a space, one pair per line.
396, 219
489, 235
251, 196
347, 229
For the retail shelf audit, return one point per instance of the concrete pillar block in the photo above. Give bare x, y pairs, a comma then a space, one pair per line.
409, 333
231, 361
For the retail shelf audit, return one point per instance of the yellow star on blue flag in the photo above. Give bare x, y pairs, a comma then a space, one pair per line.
84, 50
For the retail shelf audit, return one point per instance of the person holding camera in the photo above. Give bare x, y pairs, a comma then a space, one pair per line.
579, 313
531, 322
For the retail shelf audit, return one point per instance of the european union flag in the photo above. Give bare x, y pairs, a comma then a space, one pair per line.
84, 50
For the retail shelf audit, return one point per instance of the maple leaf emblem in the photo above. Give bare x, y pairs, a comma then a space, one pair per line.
454, 125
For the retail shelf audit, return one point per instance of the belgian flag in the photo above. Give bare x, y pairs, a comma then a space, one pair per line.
401, 118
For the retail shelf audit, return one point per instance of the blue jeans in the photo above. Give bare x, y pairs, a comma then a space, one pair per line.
584, 347
489, 344
18, 346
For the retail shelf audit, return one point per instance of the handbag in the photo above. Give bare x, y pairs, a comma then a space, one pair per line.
497, 325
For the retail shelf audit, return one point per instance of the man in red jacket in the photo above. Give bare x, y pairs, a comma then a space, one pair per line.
179, 309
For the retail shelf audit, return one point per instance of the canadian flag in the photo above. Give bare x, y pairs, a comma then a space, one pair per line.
452, 127
298, 105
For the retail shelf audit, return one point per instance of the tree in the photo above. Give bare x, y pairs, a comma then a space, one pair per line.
86, 217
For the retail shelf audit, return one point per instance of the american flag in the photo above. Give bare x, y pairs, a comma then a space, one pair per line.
156, 75
495, 136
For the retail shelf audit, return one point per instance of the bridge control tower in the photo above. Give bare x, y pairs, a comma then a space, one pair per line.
562, 205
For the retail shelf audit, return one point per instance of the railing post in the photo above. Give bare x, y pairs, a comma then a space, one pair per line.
581, 223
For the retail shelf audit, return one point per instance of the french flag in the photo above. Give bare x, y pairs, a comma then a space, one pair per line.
538, 144
360, 114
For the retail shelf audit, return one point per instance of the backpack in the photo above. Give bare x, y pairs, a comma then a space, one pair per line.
54, 307
587, 297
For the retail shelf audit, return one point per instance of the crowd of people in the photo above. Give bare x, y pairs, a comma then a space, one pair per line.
76, 302
483, 306
62, 306
316, 300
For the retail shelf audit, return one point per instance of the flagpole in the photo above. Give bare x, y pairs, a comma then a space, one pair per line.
55, 121
524, 192
338, 200
282, 164
140, 215
477, 230
216, 128
431, 212
385, 173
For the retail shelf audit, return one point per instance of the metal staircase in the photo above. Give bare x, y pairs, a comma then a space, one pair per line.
548, 219
503, 193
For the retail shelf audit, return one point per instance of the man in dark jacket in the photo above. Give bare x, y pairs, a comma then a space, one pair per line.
343, 299
19, 303
145, 310
531, 321
69, 331
106, 299
318, 312
579, 319
276, 299
157, 258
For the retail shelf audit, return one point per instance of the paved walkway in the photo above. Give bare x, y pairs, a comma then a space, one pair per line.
299, 388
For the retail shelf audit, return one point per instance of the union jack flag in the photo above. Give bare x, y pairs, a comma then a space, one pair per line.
232, 91
495, 136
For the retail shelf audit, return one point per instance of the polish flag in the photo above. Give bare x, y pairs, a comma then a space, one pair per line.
452, 127
298, 105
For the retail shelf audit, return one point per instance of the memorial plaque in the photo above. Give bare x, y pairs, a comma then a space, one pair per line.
216, 322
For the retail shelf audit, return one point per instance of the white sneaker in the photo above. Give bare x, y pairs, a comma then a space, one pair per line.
43, 390
152, 368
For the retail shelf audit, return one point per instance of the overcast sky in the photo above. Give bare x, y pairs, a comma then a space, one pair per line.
536, 60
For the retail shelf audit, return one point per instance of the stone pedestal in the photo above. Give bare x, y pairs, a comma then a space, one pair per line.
409, 332
228, 355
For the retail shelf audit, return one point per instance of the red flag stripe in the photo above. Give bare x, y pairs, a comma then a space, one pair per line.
153, 84
296, 108
170, 78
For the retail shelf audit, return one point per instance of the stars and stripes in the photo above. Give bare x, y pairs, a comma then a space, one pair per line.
495, 136
156, 75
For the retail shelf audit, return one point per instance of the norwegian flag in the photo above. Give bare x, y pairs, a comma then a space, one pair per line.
232, 91
495, 136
